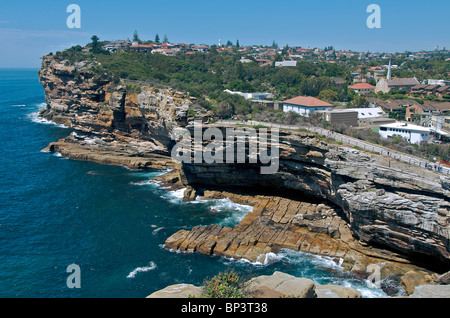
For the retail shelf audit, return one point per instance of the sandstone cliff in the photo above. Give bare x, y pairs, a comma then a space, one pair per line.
385, 204
80, 97
366, 198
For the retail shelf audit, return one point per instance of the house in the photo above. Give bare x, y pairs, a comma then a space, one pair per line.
357, 117
418, 89
305, 105
286, 64
245, 61
443, 90
135, 47
375, 122
274, 104
115, 46
426, 109
263, 62
439, 82
338, 82
440, 126
201, 48
363, 88
412, 133
372, 117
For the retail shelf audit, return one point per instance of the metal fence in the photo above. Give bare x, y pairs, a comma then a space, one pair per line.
412, 160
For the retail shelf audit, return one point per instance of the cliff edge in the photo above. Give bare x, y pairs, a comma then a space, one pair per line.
351, 202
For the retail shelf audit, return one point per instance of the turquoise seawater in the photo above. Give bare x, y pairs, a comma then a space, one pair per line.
110, 221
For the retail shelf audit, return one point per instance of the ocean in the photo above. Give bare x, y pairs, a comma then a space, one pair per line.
109, 220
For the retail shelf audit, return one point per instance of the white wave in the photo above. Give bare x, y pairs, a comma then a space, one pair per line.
261, 261
174, 196
157, 230
133, 273
223, 205
145, 183
34, 117
18, 105
268, 259
59, 155
149, 177
234, 212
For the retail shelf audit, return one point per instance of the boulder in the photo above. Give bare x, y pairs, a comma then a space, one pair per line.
444, 279
334, 291
281, 285
177, 291
431, 291
412, 279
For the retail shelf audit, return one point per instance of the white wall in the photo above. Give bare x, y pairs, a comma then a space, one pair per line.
303, 110
412, 136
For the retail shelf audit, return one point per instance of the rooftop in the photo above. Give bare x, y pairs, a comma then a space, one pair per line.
307, 101
403, 82
361, 86
406, 126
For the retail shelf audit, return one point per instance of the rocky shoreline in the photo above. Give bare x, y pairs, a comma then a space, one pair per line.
281, 285
329, 200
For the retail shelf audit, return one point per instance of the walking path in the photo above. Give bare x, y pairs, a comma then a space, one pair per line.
355, 142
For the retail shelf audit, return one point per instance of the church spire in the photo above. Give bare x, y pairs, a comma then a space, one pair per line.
389, 74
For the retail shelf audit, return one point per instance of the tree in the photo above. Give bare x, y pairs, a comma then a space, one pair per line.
274, 45
224, 110
360, 102
239, 72
328, 95
157, 40
95, 45
166, 39
237, 43
136, 37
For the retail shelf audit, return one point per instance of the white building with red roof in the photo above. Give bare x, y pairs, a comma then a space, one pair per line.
363, 88
305, 105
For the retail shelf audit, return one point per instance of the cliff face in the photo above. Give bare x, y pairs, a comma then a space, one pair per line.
383, 203
388, 204
78, 97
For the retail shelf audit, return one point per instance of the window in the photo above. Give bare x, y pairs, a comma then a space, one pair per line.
383, 128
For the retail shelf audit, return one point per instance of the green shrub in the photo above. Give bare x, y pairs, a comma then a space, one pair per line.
223, 285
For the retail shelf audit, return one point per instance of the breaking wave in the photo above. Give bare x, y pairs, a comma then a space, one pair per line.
144, 269
34, 117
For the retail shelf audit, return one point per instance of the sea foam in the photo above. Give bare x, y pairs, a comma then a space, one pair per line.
34, 117
133, 273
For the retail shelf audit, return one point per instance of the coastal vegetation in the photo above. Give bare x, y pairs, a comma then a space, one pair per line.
223, 285
206, 76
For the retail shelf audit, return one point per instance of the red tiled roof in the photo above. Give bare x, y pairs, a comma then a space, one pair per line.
362, 85
142, 46
307, 101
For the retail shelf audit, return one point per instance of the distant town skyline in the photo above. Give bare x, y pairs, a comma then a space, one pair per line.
30, 29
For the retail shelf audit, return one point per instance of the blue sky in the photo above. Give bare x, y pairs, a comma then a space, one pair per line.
30, 29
